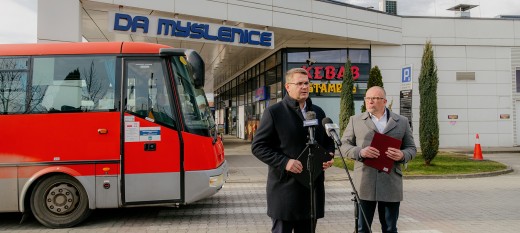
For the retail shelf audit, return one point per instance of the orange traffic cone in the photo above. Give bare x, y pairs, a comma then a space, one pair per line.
477, 152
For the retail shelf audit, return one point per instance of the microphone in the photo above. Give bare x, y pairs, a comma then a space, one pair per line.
331, 130
310, 122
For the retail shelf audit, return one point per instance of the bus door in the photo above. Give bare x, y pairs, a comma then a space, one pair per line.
151, 151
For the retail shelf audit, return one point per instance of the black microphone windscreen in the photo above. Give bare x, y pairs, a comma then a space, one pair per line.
325, 121
310, 115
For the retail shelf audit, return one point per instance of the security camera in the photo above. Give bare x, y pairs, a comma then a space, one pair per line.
310, 61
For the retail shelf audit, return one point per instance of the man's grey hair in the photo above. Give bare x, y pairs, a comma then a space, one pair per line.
291, 72
380, 88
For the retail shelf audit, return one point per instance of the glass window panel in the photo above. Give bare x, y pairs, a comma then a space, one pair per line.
279, 76
278, 90
261, 80
270, 77
195, 108
249, 97
273, 90
73, 84
518, 81
326, 56
241, 88
262, 67
359, 55
13, 85
270, 62
148, 93
297, 55
241, 100
343, 56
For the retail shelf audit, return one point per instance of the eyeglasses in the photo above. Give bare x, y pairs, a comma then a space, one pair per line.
300, 84
374, 98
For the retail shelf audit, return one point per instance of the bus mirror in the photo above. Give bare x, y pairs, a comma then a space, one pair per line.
197, 66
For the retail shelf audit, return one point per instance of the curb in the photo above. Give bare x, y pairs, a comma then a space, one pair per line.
463, 176
246, 180
416, 177
484, 152
426, 177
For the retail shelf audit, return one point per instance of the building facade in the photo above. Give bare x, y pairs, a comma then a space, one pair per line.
388, 6
478, 59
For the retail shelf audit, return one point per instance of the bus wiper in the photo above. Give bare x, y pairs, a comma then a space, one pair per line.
214, 127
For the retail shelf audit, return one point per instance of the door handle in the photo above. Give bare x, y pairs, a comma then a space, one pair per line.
150, 147
102, 131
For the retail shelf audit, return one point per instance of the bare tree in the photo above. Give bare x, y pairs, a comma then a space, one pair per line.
12, 86
95, 89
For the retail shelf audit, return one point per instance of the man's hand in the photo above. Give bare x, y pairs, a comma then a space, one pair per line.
294, 166
369, 152
394, 154
328, 164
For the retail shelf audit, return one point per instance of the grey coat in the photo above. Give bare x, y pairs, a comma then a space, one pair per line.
371, 184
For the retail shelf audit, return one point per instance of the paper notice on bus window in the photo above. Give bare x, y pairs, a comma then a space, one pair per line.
150, 134
129, 118
131, 131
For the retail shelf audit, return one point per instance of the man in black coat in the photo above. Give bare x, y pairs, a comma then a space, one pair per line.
278, 141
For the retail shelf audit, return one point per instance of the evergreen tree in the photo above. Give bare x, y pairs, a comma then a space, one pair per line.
374, 79
428, 121
346, 109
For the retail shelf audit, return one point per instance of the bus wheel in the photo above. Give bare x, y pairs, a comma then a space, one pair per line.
59, 201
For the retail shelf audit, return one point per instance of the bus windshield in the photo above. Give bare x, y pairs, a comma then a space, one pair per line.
195, 110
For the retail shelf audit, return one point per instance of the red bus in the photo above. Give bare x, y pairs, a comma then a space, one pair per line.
104, 125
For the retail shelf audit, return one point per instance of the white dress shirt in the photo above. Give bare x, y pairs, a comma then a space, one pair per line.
381, 122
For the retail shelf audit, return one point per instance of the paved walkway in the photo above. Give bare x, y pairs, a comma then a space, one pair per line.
244, 167
482, 204
472, 205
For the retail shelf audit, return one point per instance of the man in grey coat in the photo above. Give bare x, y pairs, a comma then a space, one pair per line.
376, 188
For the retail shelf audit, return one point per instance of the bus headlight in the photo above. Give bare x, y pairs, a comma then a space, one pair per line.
216, 181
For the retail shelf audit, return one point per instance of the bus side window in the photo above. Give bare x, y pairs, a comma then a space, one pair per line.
13, 85
73, 83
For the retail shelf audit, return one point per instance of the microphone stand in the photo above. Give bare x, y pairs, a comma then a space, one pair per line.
355, 199
310, 167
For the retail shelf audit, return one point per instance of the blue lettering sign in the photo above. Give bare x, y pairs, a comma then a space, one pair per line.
183, 31
140, 22
241, 34
117, 22
265, 39
207, 36
224, 34
254, 33
197, 31
192, 30
167, 24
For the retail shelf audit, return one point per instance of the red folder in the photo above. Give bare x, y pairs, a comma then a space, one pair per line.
382, 142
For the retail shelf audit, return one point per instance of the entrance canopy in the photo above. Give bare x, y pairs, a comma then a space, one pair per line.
224, 60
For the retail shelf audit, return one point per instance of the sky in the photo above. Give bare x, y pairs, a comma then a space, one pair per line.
17, 21
18, 17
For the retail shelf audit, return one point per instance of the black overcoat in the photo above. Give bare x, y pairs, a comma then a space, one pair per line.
280, 137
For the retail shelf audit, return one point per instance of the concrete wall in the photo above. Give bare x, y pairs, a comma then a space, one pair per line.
482, 46
302, 15
478, 103
59, 21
